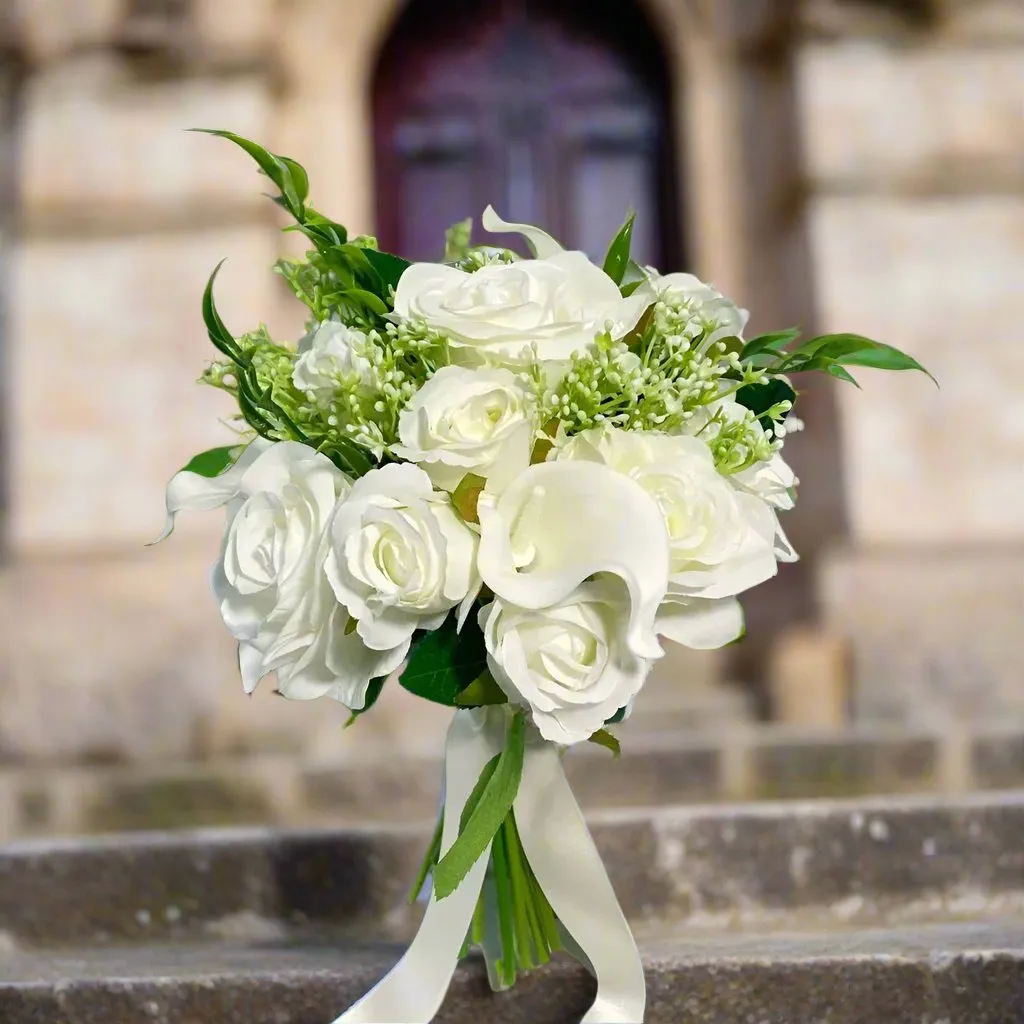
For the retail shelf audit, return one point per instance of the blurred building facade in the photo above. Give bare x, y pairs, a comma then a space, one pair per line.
842, 164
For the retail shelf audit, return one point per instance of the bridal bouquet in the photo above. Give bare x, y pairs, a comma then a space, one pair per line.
502, 483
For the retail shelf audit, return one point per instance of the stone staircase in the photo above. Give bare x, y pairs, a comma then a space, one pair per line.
905, 910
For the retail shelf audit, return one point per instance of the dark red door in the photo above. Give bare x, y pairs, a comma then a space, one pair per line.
557, 113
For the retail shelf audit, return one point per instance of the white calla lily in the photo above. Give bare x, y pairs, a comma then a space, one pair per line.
542, 244
560, 523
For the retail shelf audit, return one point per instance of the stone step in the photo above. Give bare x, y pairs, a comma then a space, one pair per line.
656, 767
956, 974
818, 864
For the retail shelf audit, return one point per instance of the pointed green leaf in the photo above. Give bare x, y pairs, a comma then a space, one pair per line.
444, 662
367, 299
837, 371
272, 166
214, 461
773, 342
493, 805
617, 258
352, 460
388, 266
634, 276
373, 692
300, 179
218, 333
466, 496
619, 716
759, 398
603, 738
482, 692
884, 357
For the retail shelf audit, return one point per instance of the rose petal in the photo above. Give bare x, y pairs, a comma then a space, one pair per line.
701, 625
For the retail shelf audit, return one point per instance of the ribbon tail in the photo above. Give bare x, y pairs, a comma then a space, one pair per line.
569, 869
412, 992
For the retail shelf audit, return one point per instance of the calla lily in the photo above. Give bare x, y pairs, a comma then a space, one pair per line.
559, 524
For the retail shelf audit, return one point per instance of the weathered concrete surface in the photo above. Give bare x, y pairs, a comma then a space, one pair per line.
956, 974
835, 864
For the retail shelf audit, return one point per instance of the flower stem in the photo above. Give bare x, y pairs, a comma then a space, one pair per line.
506, 910
521, 895
429, 860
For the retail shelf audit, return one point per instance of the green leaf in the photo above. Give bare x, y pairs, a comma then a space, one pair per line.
837, 371
466, 496
759, 398
492, 806
220, 336
274, 167
482, 692
352, 460
214, 461
773, 342
444, 662
603, 738
300, 179
617, 258
388, 266
884, 357
617, 717
372, 302
429, 860
373, 692
634, 277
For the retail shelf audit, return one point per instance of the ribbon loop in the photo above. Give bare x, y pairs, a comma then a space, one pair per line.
565, 862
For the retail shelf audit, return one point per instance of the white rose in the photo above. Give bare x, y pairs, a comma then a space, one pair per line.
270, 583
400, 558
558, 524
570, 664
773, 481
558, 303
723, 541
468, 421
332, 357
706, 300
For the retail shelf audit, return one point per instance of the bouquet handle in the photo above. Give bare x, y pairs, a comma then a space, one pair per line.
565, 862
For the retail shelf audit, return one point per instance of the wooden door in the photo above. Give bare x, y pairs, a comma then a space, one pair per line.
557, 113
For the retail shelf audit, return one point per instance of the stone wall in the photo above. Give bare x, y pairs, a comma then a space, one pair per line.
113, 651
914, 142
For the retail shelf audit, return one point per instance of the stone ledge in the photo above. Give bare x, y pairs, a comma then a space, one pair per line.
823, 864
656, 769
966, 975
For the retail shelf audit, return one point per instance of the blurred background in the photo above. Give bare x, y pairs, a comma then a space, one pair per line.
833, 164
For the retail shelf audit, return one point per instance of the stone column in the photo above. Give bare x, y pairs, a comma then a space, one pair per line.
914, 136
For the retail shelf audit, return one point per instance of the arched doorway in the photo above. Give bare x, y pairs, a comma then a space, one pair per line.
555, 111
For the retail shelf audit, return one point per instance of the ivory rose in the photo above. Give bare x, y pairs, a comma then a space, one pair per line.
468, 421
570, 664
269, 581
332, 356
556, 303
399, 558
722, 540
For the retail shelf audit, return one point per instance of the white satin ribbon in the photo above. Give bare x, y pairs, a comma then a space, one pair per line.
566, 864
